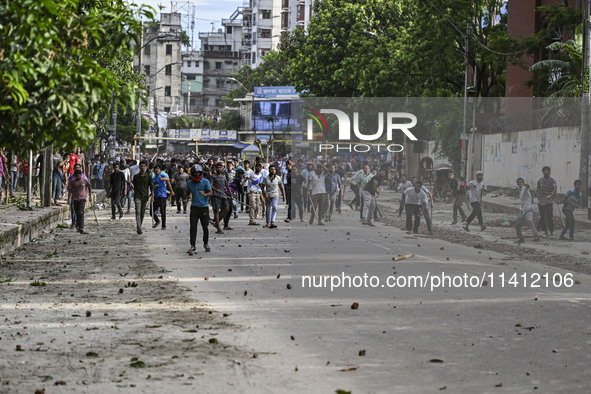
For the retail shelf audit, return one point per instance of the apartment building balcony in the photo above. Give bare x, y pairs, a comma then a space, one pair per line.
265, 23
221, 54
264, 42
216, 74
232, 22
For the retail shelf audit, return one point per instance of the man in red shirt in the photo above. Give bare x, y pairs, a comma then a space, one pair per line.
73, 162
77, 191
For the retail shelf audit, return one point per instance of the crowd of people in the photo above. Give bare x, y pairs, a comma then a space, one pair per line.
228, 184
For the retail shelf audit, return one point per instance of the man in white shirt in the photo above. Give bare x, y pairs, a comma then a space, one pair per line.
477, 189
415, 202
317, 191
253, 180
526, 212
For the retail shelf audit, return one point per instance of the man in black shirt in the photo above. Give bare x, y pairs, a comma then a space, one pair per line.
219, 184
143, 188
369, 194
459, 194
297, 182
117, 187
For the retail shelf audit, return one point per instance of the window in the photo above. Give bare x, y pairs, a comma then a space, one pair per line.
192, 101
167, 91
229, 29
166, 109
190, 77
169, 49
196, 63
254, 57
265, 33
206, 83
147, 69
147, 50
301, 13
219, 83
265, 14
254, 20
168, 70
206, 65
218, 65
188, 63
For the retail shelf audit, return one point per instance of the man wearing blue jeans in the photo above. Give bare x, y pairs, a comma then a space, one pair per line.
160, 180
200, 190
271, 186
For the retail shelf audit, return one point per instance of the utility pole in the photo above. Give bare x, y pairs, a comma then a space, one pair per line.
464, 136
586, 102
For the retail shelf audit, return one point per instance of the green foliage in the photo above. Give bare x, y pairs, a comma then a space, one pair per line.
557, 71
62, 64
185, 39
564, 70
397, 48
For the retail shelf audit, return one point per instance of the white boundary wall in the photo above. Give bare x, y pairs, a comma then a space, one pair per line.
509, 156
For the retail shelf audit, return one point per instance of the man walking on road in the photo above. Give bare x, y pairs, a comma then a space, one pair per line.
77, 194
334, 189
526, 212
254, 179
317, 193
402, 186
117, 187
271, 186
572, 200
220, 199
160, 180
477, 189
369, 197
143, 190
200, 190
459, 194
415, 202
180, 188
546, 192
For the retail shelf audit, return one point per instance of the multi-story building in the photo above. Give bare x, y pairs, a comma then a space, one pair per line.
295, 13
221, 56
262, 28
192, 85
160, 60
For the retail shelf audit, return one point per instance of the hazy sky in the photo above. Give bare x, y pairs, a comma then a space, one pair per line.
206, 12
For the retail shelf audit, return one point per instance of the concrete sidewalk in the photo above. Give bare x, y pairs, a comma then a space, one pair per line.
18, 226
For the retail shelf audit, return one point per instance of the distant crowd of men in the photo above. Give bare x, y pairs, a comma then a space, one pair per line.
225, 184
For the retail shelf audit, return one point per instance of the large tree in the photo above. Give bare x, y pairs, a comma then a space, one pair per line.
58, 75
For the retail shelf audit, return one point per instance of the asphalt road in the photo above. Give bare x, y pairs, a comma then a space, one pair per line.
481, 337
